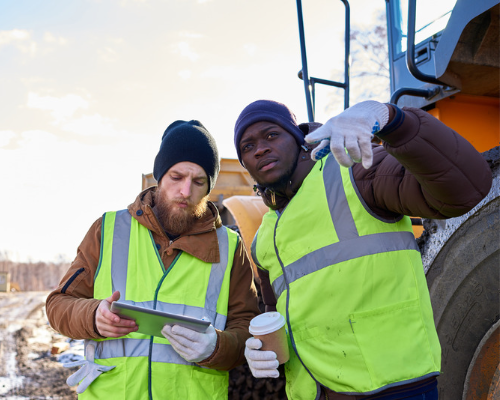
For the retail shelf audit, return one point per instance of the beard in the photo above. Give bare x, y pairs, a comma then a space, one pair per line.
177, 221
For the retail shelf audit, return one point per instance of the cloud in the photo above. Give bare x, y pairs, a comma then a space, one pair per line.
50, 38
125, 3
20, 38
92, 125
185, 74
227, 72
108, 54
33, 139
61, 108
7, 37
184, 49
5, 137
250, 48
191, 35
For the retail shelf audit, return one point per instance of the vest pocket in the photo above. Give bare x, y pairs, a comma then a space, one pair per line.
394, 342
208, 383
112, 382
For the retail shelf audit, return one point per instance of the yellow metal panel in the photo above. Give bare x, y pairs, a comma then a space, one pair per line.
247, 211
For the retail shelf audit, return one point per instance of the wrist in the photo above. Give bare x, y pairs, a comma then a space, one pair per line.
392, 112
396, 119
209, 360
373, 109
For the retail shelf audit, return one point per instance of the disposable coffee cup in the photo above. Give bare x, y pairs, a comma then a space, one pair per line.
269, 328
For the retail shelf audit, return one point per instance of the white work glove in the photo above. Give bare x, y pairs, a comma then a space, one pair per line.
351, 130
88, 372
263, 364
192, 346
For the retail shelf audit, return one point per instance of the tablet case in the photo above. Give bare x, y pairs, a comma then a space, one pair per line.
151, 322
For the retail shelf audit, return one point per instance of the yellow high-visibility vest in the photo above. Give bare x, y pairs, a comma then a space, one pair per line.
147, 367
351, 287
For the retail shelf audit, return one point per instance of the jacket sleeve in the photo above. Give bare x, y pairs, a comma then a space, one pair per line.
243, 306
266, 290
424, 168
71, 307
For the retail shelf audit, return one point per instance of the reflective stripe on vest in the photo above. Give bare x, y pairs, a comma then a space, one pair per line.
346, 281
130, 347
344, 251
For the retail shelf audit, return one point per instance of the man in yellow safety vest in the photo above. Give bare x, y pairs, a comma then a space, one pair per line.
167, 251
336, 253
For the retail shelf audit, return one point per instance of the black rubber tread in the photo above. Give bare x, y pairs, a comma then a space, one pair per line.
464, 282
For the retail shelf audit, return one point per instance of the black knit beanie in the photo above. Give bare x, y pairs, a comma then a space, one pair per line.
266, 110
188, 141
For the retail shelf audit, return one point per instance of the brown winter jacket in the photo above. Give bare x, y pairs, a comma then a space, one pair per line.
423, 168
71, 307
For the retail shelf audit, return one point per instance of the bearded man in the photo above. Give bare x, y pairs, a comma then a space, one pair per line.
169, 252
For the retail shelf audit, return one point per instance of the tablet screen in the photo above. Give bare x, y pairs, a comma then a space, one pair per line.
151, 322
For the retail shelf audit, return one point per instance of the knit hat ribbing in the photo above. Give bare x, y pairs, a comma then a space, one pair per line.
188, 141
266, 110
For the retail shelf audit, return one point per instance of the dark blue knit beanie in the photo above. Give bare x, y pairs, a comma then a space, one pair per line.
188, 141
267, 110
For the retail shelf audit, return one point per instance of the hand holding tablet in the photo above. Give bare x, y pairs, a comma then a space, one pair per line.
151, 322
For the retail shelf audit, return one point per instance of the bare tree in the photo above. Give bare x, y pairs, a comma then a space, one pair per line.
370, 77
369, 70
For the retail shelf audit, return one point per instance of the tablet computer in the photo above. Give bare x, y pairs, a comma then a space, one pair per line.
151, 322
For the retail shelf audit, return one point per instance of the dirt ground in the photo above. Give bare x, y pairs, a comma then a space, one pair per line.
29, 370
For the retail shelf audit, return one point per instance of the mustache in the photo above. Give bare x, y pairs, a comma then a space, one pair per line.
183, 201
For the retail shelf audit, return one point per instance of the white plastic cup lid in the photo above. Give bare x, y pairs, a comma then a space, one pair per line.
266, 323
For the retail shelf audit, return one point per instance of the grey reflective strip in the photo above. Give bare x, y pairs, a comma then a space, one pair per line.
337, 201
253, 250
343, 251
220, 322
216, 278
138, 348
119, 255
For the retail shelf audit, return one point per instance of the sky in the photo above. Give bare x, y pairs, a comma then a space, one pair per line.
87, 88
